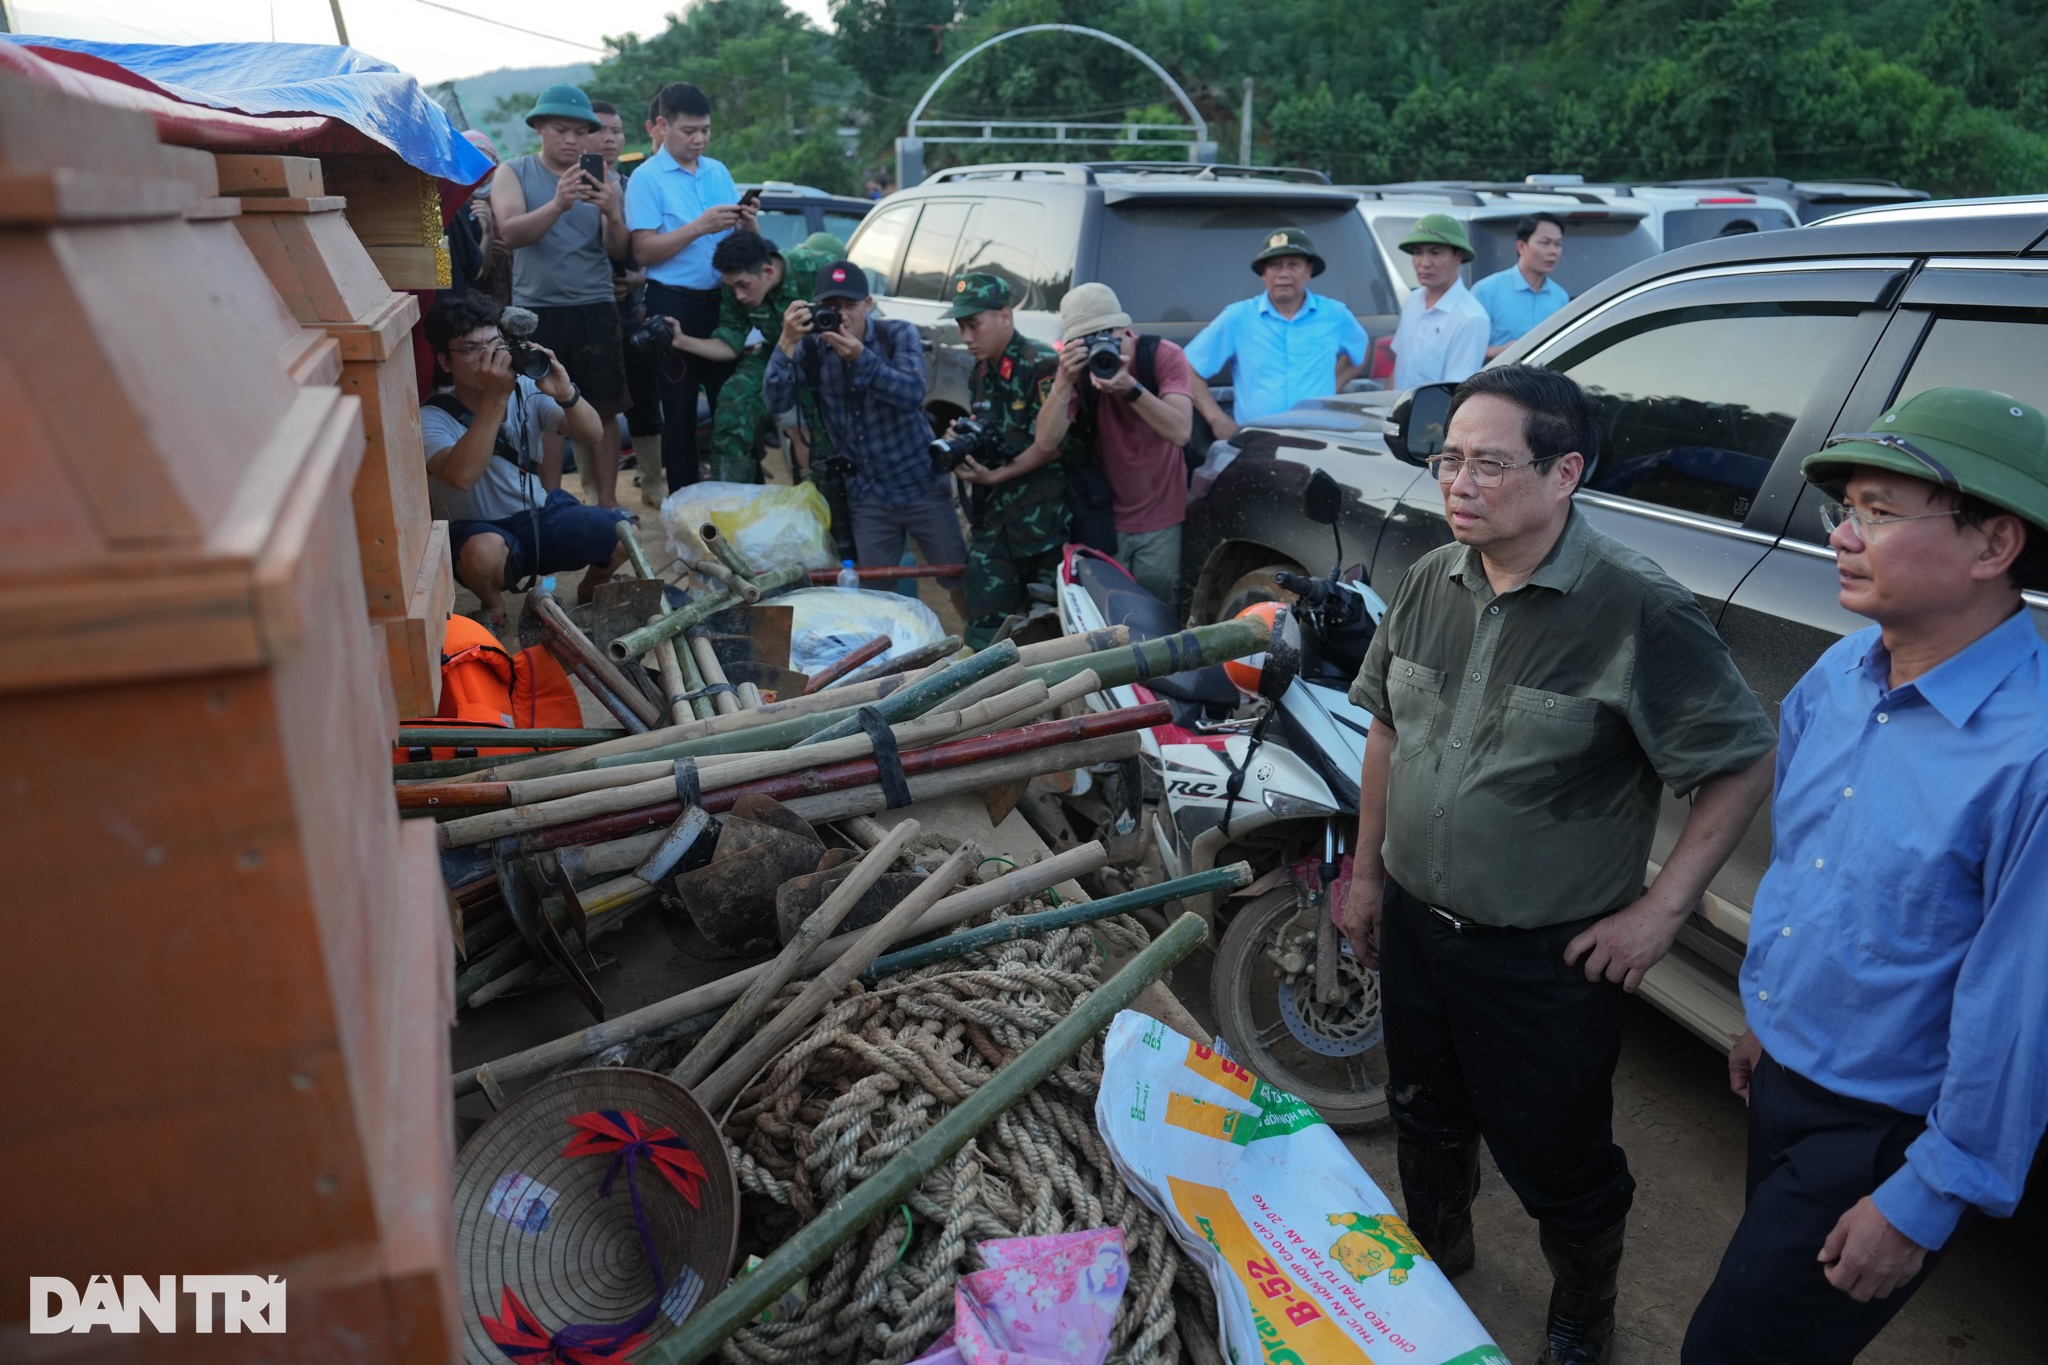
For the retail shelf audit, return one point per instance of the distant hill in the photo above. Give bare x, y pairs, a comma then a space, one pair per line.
480, 95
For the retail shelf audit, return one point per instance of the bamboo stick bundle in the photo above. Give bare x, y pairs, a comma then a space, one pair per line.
556, 621
915, 660
635, 643
847, 663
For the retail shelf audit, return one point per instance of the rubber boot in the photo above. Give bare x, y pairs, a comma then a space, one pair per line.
647, 455
1580, 1330
1439, 1183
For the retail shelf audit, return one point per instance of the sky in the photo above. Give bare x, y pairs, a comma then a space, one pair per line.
424, 39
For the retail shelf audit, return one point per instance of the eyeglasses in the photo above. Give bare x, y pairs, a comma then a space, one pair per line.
1834, 514
1486, 473
470, 349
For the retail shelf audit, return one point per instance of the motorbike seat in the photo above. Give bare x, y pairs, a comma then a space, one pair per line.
1124, 603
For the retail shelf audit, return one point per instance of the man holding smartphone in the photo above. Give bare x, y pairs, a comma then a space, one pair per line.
563, 215
679, 206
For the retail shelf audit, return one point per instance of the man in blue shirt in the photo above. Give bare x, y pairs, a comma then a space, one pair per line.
1518, 298
1896, 985
679, 205
1287, 345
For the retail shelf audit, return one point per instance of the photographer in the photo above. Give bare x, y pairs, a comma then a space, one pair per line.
758, 284
1132, 421
563, 215
867, 377
1020, 486
483, 445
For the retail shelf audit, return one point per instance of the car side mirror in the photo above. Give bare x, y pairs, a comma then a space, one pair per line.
1282, 664
1322, 501
1415, 427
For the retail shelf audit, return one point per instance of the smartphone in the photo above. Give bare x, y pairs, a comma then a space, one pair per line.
751, 199
592, 165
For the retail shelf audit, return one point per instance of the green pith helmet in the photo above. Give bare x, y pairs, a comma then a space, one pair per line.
1972, 441
825, 244
978, 294
1439, 229
1288, 242
563, 101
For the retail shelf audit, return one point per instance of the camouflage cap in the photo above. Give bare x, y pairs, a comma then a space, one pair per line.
978, 294
1288, 242
1438, 229
1973, 441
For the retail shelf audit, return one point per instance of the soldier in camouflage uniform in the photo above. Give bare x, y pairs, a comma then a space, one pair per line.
759, 285
1020, 505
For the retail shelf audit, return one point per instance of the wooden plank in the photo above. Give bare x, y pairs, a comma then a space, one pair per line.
63, 195
384, 331
389, 202
413, 641
315, 262
193, 165
411, 267
211, 210
392, 515
312, 358
288, 177
319, 203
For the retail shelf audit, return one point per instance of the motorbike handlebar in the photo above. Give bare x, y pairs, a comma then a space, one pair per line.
1311, 591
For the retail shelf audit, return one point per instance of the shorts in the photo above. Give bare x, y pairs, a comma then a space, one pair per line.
585, 338
571, 535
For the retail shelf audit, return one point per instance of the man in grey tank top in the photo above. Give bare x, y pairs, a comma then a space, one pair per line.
565, 227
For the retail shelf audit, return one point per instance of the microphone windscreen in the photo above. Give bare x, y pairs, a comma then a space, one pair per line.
517, 322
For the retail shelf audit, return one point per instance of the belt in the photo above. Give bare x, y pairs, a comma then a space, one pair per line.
685, 289
1466, 926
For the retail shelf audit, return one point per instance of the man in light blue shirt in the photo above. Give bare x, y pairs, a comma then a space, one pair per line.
1281, 348
1518, 298
679, 205
1896, 983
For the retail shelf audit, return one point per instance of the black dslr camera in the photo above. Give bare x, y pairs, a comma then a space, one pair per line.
969, 437
651, 337
515, 325
1105, 353
826, 319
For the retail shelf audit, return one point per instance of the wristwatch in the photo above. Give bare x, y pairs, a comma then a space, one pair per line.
575, 395
1134, 393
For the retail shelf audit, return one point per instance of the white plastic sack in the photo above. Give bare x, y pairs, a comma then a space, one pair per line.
1310, 1262
831, 623
771, 524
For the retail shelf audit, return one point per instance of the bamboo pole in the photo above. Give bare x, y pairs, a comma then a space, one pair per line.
700, 1336
916, 659
675, 688
730, 554
636, 643
818, 927
867, 800
556, 620
1169, 654
825, 578
919, 696
1065, 647
719, 1088
961, 905
623, 710
636, 554
1072, 690
847, 663
725, 702
476, 736
994, 685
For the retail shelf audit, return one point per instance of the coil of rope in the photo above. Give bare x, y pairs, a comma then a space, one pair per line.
879, 1068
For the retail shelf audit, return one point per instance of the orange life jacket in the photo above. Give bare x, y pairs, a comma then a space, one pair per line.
482, 685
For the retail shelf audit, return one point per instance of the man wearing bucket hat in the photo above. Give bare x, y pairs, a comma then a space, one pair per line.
1896, 1063
565, 228
1129, 432
1284, 347
1443, 332
1019, 506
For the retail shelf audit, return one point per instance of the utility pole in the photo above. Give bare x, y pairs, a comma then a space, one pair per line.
340, 26
1244, 126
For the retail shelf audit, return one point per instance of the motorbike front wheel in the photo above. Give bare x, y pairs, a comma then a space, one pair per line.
1333, 1056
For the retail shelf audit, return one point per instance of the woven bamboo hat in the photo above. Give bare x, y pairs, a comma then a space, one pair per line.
568, 1199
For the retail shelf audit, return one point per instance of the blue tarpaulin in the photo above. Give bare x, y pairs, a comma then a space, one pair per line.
371, 96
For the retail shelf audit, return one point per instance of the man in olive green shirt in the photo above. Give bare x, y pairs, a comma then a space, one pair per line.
1533, 686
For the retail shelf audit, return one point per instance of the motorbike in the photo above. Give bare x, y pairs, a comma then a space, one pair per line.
1268, 774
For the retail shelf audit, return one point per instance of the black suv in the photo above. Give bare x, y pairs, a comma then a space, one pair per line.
1174, 240
1715, 369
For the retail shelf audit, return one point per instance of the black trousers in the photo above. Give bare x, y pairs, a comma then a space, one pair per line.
1812, 1155
697, 311
1491, 1034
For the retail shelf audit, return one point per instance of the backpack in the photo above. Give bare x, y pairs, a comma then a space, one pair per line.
1090, 500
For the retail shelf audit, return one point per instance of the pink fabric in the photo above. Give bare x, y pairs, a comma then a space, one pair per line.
1147, 477
1041, 1301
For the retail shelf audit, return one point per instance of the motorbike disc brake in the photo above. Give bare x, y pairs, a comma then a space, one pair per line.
1351, 1026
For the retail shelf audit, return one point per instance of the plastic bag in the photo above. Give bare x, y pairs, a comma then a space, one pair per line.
831, 623
771, 524
1309, 1260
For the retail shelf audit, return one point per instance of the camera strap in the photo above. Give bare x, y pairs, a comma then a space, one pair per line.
502, 448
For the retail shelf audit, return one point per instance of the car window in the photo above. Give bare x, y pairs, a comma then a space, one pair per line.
1002, 239
1390, 231
1186, 262
1695, 404
1683, 227
2000, 351
879, 245
842, 225
928, 264
784, 227
1592, 250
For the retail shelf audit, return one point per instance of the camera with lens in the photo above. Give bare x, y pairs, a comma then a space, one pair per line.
973, 438
515, 325
1105, 353
651, 337
826, 319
